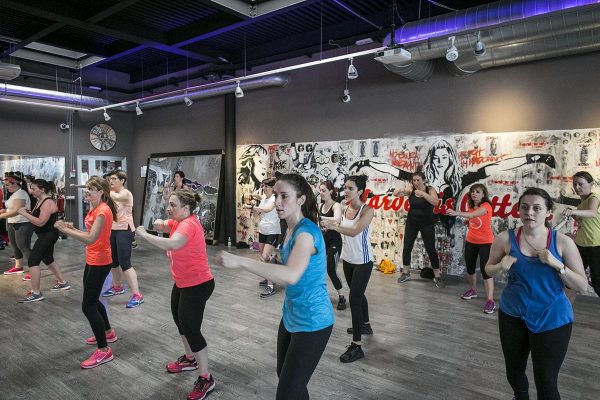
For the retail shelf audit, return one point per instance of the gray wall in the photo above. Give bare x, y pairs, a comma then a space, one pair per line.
555, 94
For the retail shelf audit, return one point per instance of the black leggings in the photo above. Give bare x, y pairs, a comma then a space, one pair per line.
297, 357
93, 309
187, 307
333, 256
43, 248
472, 251
19, 235
357, 277
591, 258
427, 234
548, 350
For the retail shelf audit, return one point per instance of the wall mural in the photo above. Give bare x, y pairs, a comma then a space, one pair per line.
506, 163
49, 168
202, 175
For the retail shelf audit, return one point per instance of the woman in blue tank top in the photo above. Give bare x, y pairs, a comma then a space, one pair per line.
535, 315
307, 319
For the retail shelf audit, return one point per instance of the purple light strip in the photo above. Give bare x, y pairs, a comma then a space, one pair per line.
482, 17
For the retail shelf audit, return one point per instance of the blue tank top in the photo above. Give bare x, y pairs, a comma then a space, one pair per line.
534, 291
306, 307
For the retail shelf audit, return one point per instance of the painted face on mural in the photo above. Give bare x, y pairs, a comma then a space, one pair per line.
581, 186
533, 211
287, 202
441, 160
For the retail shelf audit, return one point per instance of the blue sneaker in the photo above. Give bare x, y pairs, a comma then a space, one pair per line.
113, 291
135, 301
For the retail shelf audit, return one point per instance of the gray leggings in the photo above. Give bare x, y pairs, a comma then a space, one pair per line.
20, 239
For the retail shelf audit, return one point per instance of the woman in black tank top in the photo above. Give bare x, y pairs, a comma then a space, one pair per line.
43, 217
331, 210
422, 200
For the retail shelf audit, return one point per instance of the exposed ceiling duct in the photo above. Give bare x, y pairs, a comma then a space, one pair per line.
52, 98
513, 32
9, 71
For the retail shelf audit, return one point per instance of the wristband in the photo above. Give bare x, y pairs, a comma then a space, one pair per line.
562, 271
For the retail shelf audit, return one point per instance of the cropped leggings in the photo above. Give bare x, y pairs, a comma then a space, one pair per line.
472, 251
591, 258
19, 235
93, 309
187, 307
411, 231
548, 350
298, 354
43, 248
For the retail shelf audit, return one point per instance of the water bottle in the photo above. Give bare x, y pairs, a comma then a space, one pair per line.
229, 241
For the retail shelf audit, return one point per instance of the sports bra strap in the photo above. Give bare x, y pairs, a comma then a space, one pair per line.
547, 241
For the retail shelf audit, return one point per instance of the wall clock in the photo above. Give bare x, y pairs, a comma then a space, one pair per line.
103, 137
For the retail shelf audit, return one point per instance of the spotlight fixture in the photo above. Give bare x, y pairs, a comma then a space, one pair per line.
452, 52
346, 96
239, 93
106, 116
479, 47
352, 72
188, 102
138, 110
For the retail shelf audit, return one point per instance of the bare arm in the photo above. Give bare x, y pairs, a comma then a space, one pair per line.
473, 214
46, 211
123, 196
176, 241
83, 236
363, 221
430, 195
337, 213
574, 276
500, 260
160, 225
288, 274
265, 209
590, 212
13, 212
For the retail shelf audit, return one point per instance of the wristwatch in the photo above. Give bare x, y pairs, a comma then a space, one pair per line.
562, 271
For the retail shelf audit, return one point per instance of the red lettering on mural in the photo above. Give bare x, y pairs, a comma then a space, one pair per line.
475, 157
407, 160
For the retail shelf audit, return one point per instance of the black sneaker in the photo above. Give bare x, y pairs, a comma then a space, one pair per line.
133, 244
263, 283
404, 277
269, 291
366, 330
341, 303
353, 352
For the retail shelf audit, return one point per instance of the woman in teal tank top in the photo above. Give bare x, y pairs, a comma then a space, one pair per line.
535, 315
307, 319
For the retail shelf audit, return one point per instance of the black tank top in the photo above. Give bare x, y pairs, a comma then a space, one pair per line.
49, 225
421, 211
332, 238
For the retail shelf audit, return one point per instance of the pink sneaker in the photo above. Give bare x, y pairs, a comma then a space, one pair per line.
469, 294
490, 307
182, 364
27, 277
13, 270
202, 388
111, 337
98, 357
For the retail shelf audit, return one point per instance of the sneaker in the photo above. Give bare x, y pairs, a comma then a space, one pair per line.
341, 303
111, 337
182, 364
366, 330
405, 276
61, 286
469, 294
13, 270
133, 244
113, 291
98, 357
490, 307
263, 283
353, 352
439, 283
30, 297
135, 301
269, 291
26, 277
202, 388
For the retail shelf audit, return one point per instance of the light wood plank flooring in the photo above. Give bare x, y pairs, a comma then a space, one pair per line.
428, 344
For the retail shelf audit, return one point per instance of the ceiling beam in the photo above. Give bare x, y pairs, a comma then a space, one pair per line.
153, 40
243, 9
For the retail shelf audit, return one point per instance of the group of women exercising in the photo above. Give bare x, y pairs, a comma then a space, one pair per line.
535, 314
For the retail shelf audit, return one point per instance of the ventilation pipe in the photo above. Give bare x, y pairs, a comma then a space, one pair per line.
513, 31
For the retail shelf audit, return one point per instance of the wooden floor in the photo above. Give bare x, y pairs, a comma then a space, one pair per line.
428, 344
